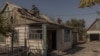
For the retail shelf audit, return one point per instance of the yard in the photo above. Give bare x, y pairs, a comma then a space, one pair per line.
87, 49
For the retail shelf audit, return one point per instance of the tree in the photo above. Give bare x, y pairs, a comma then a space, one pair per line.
5, 27
88, 3
77, 24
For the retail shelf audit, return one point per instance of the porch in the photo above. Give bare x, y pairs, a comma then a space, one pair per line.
40, 38
52, 37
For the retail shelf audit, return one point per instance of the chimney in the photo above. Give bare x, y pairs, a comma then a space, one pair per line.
59, 21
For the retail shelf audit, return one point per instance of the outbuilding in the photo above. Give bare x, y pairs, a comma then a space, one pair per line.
94, 31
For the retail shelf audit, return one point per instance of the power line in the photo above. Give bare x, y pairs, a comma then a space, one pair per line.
97, 12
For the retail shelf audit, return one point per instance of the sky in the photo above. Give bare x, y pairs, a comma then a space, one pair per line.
64, 9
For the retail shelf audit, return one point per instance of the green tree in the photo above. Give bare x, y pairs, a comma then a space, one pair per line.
77, 24
88, 3
5, 27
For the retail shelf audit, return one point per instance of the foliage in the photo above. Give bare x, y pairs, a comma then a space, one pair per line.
77, 24
88, 3
5, 27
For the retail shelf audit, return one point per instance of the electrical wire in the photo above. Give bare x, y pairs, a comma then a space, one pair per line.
80, 14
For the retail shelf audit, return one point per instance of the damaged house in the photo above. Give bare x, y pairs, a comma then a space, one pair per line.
38, 29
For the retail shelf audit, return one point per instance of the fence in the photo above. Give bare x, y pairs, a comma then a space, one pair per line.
20, 51
17, 51
23, 42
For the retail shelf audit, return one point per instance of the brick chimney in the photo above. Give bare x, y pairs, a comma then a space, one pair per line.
59, 21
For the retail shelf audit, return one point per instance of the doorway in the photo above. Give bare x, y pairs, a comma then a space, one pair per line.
54, 40
51, 40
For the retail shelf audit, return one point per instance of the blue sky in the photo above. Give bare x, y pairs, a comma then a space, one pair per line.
64, 9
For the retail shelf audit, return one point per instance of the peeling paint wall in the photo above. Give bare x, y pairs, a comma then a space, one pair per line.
61, 44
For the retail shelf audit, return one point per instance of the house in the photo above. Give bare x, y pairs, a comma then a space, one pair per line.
40, 31
94, 31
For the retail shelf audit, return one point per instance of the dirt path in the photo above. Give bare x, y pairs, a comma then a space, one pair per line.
88, 49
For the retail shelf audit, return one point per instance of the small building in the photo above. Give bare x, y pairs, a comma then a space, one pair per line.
40, 31
94, 31
78, 38
75, 38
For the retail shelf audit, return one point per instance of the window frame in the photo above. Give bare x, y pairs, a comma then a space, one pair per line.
36, 32
66, 35
16, 37
4, 39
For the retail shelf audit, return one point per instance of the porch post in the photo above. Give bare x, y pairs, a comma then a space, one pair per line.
77, 37
99, 37
88, 38
44, 33
71, 37
12, 39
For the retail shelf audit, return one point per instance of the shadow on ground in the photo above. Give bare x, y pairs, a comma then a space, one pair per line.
71, 51
74, 50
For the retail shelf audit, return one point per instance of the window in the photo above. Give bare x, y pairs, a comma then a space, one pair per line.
35, 34
2, 38
66, 35
15, 36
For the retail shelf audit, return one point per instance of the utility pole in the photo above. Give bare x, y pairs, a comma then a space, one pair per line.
12, 36
12, 26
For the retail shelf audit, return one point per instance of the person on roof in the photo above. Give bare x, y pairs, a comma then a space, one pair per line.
34, 11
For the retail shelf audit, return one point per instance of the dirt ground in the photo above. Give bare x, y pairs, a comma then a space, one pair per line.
87, 49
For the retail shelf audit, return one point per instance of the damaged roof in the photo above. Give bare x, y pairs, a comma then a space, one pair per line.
26, 13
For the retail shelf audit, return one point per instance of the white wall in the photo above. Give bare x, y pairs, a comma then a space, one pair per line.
59, 39
22, 33
68, 44
8, 41
93, 32
61, 44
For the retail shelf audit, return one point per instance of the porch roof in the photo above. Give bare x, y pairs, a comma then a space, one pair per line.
52, 25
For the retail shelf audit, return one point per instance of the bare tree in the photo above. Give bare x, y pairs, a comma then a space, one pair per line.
4, 26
